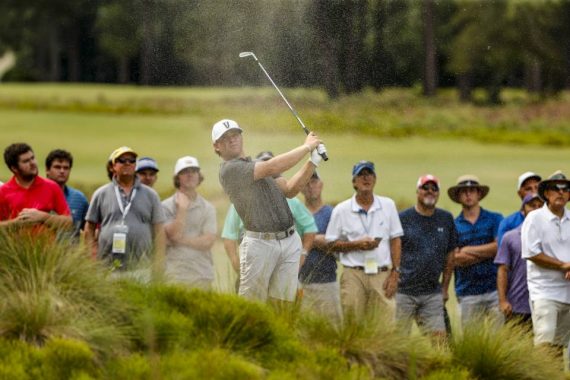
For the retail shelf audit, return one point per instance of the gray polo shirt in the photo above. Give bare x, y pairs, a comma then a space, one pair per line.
144, 213
185, 264
260, 204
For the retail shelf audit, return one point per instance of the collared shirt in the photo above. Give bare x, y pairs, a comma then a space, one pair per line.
78, 206
509, 254
544, 232
509, 223
349, 222
304, 221
43, 194
479, 278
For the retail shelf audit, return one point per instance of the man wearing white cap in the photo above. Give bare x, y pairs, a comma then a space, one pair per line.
130, 217
527, 184
190, 228
271, 249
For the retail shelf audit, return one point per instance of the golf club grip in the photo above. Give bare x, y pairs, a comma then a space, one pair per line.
323, 155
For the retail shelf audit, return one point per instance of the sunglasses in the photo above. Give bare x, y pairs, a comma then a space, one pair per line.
557, 187
429, 187
126, 160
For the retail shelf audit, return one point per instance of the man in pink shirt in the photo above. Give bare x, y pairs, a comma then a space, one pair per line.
27, 198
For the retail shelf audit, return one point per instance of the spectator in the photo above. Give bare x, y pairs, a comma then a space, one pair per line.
58, 168
511, 275
147, 171
475, 272
366, 230
527, 184
271, 249
545, 245
428, 248
130, 217
190, 228
28, 199
321, 291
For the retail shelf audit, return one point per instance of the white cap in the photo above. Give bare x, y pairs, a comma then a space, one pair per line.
523, 177
184, 163
222, 127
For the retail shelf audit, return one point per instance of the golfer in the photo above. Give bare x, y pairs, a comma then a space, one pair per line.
271, 249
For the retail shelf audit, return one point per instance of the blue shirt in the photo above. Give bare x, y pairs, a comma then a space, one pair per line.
78, 205
319, 267
509, 223
426, 244
478, 278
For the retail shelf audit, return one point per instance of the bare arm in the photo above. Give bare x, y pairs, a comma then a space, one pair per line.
502, 281
447, 272
548, 262
175, 229
90, 239
484, 251
356, 245
391, 283
231, 248
308, 240
292, 186
35, 216
201, 243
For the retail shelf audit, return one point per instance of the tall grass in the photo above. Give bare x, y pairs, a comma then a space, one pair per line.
51, 289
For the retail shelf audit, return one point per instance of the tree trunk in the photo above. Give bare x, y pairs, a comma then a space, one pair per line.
430, 60
123, 70
147, 41
54, 49
464, 86
73, 52
534, 76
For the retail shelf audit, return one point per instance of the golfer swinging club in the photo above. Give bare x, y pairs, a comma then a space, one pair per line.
271, 248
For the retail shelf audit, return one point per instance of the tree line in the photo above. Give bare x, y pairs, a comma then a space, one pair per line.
342, 46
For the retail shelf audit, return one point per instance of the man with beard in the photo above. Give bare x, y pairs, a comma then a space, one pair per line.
366, 230
428, 245
28, 199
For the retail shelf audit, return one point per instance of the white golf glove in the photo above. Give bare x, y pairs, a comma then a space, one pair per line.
316, 154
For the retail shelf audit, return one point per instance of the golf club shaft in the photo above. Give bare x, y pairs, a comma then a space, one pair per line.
323, 154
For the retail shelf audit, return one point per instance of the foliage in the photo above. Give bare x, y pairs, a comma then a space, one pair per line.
51, 289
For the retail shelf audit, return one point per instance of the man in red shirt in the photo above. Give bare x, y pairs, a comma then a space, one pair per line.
28, 199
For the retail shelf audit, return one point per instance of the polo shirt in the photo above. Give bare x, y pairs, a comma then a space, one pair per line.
304, 221
319, 267
349, 222
478, 278
509, 254
145, 212
509, 223
78, 206
260, 203
183, 263
544, 232
426, 245
43, 194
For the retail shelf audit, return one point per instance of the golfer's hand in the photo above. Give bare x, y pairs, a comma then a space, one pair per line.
315, 158
312, 140
391, 284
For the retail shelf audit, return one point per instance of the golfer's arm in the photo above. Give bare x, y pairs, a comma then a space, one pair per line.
292, 186
281, 163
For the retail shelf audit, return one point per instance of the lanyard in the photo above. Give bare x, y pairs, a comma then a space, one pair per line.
367, 225
124, 210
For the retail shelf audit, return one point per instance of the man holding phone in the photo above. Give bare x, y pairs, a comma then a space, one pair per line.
428, 246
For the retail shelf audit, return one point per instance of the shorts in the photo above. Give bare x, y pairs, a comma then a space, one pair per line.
550, 322
426, 310
472, 307
269, 268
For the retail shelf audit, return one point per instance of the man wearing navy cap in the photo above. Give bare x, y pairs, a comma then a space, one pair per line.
147, 171
366, 230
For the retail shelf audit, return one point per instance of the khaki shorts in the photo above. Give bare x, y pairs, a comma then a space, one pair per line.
269, 268
323, 299
550, 322
363, 294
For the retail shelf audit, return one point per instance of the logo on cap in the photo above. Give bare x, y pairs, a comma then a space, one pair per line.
227, 124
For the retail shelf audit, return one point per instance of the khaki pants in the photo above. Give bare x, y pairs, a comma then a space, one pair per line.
363, 294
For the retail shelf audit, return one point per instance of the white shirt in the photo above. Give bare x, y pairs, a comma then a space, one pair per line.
544, 232
349, 222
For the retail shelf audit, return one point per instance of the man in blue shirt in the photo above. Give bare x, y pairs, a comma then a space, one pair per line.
475, 272
58, 168
428, 245
527, 184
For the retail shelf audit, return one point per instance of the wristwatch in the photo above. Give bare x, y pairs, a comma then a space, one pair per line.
396, 269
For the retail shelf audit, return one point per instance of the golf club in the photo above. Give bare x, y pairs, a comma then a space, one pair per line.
320, 148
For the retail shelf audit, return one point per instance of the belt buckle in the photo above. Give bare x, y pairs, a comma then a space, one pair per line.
266, 236
281, 235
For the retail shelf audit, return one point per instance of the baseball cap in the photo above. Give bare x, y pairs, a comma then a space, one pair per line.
264, 156
222, 127
184, 163
146, 163
360, 166
119, 152
527, 175
427, 178
528, 198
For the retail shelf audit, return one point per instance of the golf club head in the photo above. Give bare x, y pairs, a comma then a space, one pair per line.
244, 54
